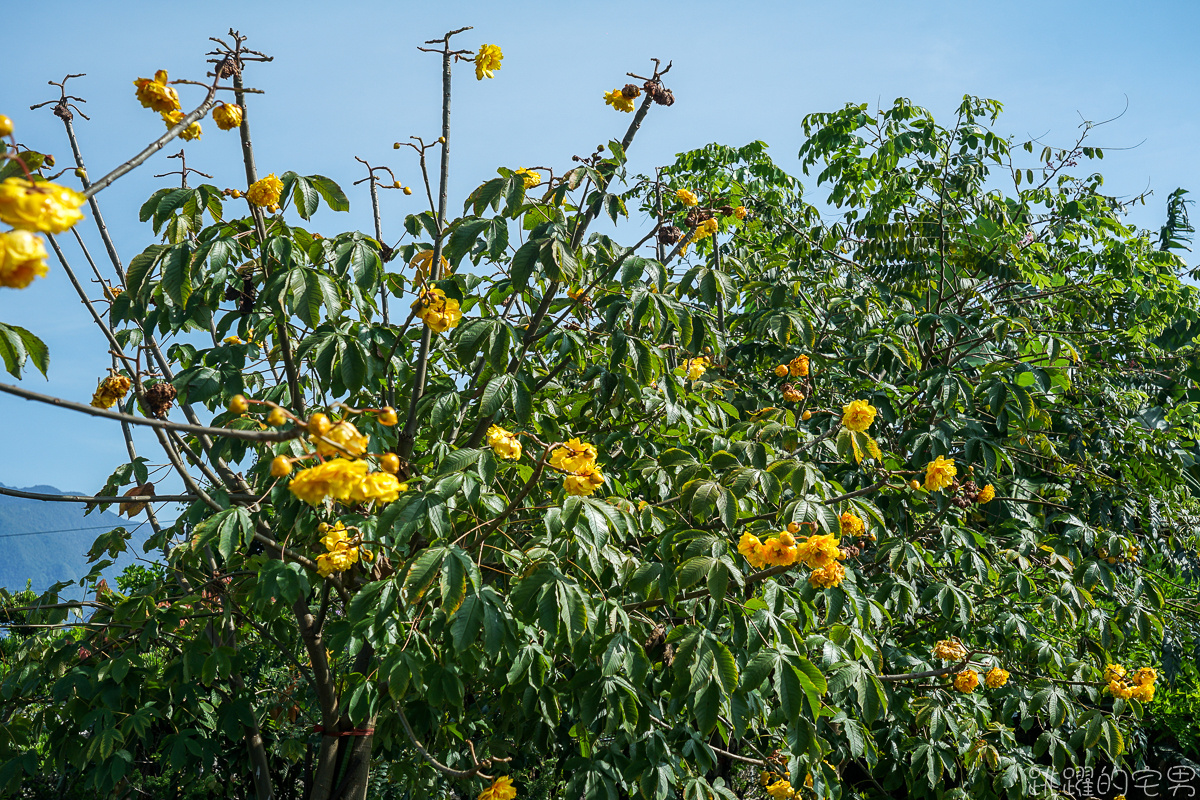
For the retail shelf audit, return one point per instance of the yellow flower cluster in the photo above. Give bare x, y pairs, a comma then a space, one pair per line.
173, 118
342, 439
781, 790
940, 473
437, 311
421, 263
852, 525
380, 487
154, 93
949, 650
966, 681
996, 677
529, 177
705, 229
832, 574
227, 116
22, 258
341, 553
696, 367
110, 391
578, 461
501, 789
1139, 685
793, 395
617, 99
44, 206
344, 480
487, 61
740, 212
986, 494
858, 415
265, 192
503, 443
688, 198
797, 367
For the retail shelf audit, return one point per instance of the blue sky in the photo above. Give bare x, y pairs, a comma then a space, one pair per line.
347, 80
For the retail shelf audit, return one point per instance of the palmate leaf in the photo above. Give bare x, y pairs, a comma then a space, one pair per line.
18, 346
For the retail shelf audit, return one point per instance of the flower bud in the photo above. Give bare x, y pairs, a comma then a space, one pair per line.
389, 462
319, 424
238, 404
407, 190
6, 126
280, 466
276, 417
387, 416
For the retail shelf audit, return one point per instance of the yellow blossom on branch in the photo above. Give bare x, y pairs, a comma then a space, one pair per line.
858, 415
750, 546
949, 650
996, 678
342, 439
487, 61
740, 212
686, 197
501, 789
529, 177
22, 258
986, 494
380, 487
173, 118
43, 206
439, 312
940, 473
798, 367
503, 443
852, 525
265, 192
335, 478
584, 481
618, 100
819, 550
227, 116
966, 681
781, 790
110, 391
573, 455
156, 94
832, 574
696, 367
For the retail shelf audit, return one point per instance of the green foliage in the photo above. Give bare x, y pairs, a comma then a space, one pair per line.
620, 644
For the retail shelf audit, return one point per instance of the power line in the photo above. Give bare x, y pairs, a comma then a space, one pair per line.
71, 530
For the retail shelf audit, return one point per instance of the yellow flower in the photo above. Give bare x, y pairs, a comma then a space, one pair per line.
779, 552
966, 681
334, 478
858, 415
342, 439
265, 192
501, 789
421, 261
798, 366
750, 547
819, 550
22, 258
740, 212
781, 790
154, 93
949, 650
173, 118
530, 178
110, 390
852, 525
996, 678
1114, 672
940, 473
487, 61
1118, 688
503, 443
233, 340
44, 206
1145, 676
832, 574
227, 116
705, 229
793, 395
334, 535
686, 197
696, 367
584, 481
437, 311
781, 371
618, 100
1143, 693
986, 494
382, 487
573, 456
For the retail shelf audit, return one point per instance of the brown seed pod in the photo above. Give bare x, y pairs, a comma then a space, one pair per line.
158, 399
669, 234
630, 91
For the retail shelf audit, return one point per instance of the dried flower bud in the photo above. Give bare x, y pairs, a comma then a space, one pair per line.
631, 90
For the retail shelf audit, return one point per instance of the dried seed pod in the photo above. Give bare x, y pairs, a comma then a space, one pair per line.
158, 399
669, 234
630, 91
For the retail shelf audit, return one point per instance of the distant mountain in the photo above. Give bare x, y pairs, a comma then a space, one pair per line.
45, 542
